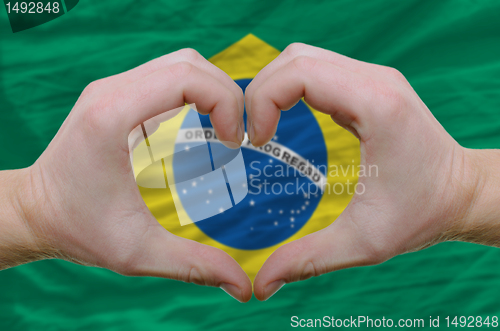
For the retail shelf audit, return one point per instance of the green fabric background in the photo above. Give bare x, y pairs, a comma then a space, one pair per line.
448, 50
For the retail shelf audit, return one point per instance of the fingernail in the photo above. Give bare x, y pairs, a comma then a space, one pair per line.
251, 131
232, 290
272, 288
241, 131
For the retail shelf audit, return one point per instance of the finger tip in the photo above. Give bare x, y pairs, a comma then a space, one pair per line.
236, 292
260, 137
246, 289
230, 136
231, 144
259, 142
259, 293
264, 292
258, 290
233, 291
259, 286
246, 294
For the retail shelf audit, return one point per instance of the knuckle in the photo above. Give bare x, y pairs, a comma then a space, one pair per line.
390, 99
126, 264
304, 63
295, 49
189, 54
181, 69
191, 274
93, 88
389, 95
376, 251
194, 271
194, 276
97, 115
394, 74
310, 269
125, 269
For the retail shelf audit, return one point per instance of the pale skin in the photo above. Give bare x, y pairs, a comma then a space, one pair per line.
79, 201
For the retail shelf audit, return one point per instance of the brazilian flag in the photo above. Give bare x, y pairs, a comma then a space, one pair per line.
448, 50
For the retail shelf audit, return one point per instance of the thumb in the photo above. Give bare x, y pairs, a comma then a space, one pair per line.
169, 256
332, 248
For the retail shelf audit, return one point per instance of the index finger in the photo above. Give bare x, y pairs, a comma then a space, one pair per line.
118, 113
326, 87
298, 49
184, 55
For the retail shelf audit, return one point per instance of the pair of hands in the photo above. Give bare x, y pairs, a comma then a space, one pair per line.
80, 202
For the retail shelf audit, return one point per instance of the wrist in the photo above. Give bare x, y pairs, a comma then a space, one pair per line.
479, 192
19, 243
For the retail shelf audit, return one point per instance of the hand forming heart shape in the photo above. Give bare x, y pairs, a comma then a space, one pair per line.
79, 200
